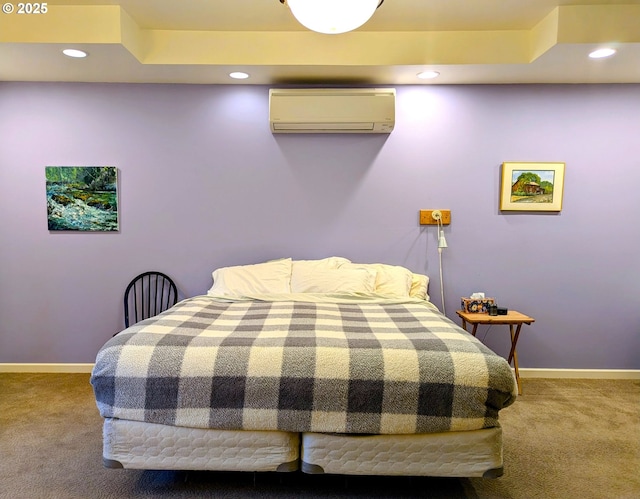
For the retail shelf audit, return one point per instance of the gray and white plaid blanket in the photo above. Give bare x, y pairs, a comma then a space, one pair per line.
303, 366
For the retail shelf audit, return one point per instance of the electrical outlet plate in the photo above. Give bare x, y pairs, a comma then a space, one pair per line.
426, 217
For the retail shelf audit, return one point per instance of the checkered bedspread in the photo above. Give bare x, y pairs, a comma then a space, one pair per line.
351, 367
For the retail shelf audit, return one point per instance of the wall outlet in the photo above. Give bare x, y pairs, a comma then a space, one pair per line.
430, 217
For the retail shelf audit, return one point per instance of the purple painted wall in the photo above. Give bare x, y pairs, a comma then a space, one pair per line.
204, 184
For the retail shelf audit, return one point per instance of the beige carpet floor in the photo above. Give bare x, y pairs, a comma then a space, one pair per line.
563, 439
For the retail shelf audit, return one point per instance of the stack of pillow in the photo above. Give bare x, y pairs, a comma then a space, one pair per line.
329, 275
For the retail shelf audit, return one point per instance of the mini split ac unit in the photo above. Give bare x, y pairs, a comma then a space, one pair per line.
339, 110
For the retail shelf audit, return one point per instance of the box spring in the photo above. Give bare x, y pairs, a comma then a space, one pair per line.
475, 453
138, 445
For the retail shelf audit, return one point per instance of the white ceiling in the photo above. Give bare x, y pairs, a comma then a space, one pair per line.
199, 41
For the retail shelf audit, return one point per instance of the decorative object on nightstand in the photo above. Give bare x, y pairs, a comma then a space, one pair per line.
513, 319
476, 304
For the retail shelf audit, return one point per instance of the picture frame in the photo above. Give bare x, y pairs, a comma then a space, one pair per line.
82, 198
530, 186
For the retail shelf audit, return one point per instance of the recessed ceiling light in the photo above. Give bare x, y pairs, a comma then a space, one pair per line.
600, 53
74, 53
239, 75
427, 75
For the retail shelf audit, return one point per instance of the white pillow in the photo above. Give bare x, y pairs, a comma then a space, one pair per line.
301, 269
392, 280
334, 281
248, 280
419, 286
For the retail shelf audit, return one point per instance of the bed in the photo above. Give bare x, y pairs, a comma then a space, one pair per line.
323, 366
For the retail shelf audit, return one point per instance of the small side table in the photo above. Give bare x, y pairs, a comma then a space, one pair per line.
513, 319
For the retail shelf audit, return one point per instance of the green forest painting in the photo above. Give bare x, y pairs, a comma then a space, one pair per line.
82, 198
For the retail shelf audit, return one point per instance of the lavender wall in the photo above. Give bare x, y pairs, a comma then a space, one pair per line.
204, 184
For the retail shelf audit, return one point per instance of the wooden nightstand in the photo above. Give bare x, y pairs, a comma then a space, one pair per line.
513, 319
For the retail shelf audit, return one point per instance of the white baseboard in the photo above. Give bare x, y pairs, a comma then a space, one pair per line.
46, 368
525, 373
528, 373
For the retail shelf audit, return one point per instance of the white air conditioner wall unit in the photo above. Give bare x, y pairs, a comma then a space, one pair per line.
332, 110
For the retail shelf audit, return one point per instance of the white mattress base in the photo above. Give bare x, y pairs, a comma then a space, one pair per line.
453, 454
138, 445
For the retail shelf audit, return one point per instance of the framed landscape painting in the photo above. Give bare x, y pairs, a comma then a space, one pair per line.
82, 198
532, 186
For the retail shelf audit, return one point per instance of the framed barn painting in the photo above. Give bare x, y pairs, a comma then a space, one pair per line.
82, 198
532, 186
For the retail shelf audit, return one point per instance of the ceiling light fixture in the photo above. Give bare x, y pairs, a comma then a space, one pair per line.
332, 17
427, 75
78, 54
239, 75
600, 53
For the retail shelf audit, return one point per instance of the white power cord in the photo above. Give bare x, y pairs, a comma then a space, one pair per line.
444, 310
442, 243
